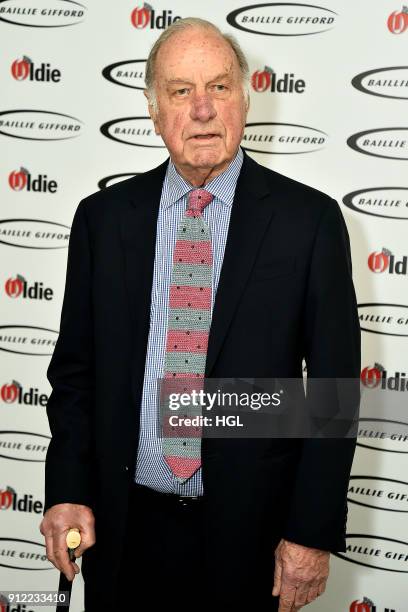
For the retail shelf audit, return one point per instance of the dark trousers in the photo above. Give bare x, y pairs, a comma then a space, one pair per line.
163, 559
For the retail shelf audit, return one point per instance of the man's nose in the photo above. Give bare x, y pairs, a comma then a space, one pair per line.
202, 108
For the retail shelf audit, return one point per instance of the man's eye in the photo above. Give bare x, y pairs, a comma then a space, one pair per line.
182, 92
219, 87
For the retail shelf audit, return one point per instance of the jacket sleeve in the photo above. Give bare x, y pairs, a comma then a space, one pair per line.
318, 510
68, 467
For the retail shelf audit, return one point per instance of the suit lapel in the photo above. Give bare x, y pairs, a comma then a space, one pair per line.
250, 215
138, 233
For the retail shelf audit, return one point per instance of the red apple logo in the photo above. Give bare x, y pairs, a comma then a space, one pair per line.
365, 606
20, 69
371, 376
398, 21
140, 17
261, 79
4, 603
6, 498
14, 286
378, 261
18, 179
9, 393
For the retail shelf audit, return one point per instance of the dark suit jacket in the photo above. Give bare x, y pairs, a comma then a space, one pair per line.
285, 293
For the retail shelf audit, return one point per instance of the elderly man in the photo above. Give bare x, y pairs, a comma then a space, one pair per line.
170, 519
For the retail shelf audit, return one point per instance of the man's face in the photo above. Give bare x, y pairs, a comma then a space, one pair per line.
201, 104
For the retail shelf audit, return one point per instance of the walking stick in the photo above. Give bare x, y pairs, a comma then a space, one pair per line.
73, 540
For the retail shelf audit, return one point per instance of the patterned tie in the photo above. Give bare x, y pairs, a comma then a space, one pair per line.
188, 330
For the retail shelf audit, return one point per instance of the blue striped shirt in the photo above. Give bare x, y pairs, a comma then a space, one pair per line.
151, 468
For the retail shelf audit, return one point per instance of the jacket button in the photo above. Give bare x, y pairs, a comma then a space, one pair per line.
126, 468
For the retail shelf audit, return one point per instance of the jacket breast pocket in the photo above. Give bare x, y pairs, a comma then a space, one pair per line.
273, 268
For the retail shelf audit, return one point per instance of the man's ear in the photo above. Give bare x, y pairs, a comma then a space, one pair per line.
153, 115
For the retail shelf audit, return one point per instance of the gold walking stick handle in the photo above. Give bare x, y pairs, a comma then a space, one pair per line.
73, 540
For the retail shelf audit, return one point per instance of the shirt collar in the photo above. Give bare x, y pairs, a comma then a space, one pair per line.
222, 186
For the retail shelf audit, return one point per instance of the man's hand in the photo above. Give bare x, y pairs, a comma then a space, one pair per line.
300, 575
57, 521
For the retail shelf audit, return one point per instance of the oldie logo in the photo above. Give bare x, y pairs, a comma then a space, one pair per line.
147, 17
24, 69
386, 319
18, 287
366, 605
378, 493
377, 376
27, 340
130, 73
384, 82
42, 13
388, 202
268, 80
34, 234
382, 423
388, 143
115, 178
11, 500
39, 125
282, 19
397, 22
6, 606
282, 138
23, 180
385, 261
13, 393
136, 131
23, 446
376, 552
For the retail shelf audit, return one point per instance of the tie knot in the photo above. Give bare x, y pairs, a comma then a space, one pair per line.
197, 201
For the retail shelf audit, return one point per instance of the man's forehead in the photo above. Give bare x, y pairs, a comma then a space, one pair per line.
208, 75
185, 52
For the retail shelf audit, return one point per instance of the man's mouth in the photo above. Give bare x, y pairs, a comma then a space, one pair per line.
209, 136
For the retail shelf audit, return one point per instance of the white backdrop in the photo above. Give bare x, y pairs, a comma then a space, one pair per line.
73, 118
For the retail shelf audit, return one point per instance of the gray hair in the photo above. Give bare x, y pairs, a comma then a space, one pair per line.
179, 26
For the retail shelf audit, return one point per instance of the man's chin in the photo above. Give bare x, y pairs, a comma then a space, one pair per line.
206, 157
